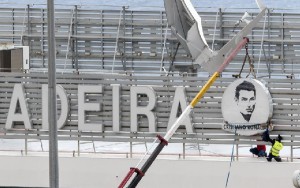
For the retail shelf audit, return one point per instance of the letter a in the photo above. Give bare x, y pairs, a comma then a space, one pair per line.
22, 116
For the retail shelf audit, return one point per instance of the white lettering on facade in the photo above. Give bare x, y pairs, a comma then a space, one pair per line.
142, 104
180, 101
84, 106
64, 106
18, 113
136, 110
116, 107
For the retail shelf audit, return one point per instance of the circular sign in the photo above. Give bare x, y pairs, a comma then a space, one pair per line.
246, 107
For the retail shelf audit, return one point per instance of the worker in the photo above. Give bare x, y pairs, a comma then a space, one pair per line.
259, 150
276, 146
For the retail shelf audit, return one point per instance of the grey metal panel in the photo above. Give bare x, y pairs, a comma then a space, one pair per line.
143, 32
206, 117
139, 27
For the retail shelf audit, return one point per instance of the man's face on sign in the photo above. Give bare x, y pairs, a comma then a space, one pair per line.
246, 102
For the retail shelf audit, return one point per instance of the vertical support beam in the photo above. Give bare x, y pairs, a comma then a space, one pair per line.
130, 147
75, 41
53, 153
42, 35
183, 146
183, 150
282, 44
26, 144
252, 43
237, 152
292, 114
123, 56
102, 40
132, 28
13, 25
292, 152
78, 145
269, 45
221, 27
28, 26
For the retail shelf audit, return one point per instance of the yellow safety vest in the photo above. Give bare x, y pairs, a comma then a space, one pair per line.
276, 148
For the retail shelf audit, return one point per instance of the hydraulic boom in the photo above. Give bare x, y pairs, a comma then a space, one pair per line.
164, 140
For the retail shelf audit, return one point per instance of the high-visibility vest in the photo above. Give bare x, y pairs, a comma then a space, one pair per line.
276, 148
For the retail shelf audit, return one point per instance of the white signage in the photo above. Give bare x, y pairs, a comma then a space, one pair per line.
87, 103
246, 107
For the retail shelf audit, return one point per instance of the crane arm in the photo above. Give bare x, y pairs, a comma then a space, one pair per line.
164, 140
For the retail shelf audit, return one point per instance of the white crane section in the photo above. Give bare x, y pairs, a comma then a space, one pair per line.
186, 25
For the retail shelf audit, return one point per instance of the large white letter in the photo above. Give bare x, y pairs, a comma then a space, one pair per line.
23, 115
116, 107
146, 110
64, 109
180, 100
84, 106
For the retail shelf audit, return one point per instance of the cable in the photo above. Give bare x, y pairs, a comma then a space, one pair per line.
230, 161
261, 45
251, 66
214, 36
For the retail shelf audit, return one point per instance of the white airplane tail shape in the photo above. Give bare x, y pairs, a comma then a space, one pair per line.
186, 25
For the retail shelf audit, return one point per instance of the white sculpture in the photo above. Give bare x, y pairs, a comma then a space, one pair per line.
186, 25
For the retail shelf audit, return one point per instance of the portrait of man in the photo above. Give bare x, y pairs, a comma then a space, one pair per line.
246, 105
245, 98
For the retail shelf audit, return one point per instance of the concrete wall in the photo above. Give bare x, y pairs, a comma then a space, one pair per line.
108, 173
